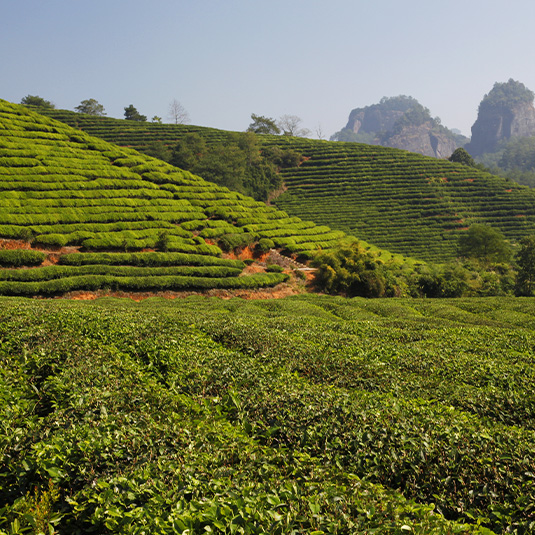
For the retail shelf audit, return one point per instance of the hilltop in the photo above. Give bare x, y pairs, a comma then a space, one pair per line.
407, 203
78, 213
506, 112
403, 123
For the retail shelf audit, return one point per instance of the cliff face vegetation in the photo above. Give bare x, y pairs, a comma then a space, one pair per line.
400, 122
505, 112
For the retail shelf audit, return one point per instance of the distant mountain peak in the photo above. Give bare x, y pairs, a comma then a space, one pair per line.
400, 122
505, 112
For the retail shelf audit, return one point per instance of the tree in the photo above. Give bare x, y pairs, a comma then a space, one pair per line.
263, 125
460, 155
525, 257
350, 271
157, 149
131, 114
157, 119
34, 100
484, 243
91, 107
177, 113
291, 126
188, 152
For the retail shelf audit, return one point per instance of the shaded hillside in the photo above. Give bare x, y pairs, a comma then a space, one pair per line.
408, 203
403, 123
506, 112
90, 215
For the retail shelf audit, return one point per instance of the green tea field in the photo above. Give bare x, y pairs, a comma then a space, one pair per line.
311, 414
80, 214
409, 204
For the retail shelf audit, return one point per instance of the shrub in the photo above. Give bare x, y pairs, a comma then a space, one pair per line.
265, 244
274, 268
230, 242
21, 257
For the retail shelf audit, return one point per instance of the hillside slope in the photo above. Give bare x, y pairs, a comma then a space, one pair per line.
85, 214
404, 202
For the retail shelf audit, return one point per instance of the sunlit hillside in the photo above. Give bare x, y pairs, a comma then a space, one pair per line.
404, 202
86, 214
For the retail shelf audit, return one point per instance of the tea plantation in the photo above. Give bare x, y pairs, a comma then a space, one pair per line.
85, 214
404, 202
304, 415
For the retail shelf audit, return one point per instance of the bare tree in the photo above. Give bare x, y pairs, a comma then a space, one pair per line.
291, 126
177, 113
319, 132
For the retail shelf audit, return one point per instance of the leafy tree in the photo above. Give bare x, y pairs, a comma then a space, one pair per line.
34, 100
519, 154
157, 149
282, 159
460, 155
224, 165
239, 163
291, 126
156, 119
263, 125
177, 113
131, 114
507, 94
90, 107
525, 258
485, 244
350, 271
188, 152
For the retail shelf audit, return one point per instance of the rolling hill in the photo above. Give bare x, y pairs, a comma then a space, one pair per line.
85, 215
404, 202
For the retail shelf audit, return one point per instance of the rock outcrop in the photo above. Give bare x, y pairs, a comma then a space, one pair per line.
403, 123
423, 139
498, 124
372, 119
506, 112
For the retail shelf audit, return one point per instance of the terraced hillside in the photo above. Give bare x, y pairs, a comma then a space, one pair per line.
407, 203
84, 214
402, 201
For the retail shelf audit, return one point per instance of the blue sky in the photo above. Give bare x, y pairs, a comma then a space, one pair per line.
226, 59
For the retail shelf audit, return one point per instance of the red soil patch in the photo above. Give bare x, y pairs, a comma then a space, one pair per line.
246, 254
14, 244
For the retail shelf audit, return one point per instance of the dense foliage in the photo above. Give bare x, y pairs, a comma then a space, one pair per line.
91, 107
307, 415
507, 94
239, 163
484, 243
353, 271
37, 101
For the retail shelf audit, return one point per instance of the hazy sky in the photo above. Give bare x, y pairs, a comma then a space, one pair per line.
226, 59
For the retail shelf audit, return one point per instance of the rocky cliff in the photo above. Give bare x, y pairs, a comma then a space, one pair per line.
423, 139
498, 124
403, 123
505, 112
